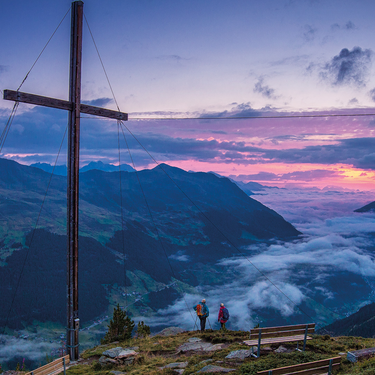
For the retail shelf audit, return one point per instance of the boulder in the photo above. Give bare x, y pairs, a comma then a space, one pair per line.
215, 347
198, 347
114, 352
103, 360
126, 353
239, 354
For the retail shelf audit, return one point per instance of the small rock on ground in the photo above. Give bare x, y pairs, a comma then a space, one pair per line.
282, 349
176, 365
212, 368
239, 354
117, 372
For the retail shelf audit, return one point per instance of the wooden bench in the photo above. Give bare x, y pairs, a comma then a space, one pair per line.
276, 335
324, 366
56, 367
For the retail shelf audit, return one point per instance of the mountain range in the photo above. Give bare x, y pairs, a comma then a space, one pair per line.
160, 228
61, 170
361, 323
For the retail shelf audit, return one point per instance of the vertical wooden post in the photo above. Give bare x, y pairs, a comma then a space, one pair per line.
259, 339
304, 340
72, 340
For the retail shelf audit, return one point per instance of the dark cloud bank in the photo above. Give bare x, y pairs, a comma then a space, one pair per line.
40, 136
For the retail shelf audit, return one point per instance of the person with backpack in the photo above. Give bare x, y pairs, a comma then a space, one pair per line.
202, 313
223, 316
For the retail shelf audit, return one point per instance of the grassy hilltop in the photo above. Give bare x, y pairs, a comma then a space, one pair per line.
158, 351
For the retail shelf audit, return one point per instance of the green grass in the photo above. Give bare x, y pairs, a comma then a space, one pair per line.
156, 352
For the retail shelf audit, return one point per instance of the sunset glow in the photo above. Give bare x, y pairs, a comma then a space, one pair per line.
199, 96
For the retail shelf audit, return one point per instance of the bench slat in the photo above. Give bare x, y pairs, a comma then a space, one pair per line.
51, 370
282, 328
321, 364
53, 367
282, 333
309, 368
315, 371
277, 340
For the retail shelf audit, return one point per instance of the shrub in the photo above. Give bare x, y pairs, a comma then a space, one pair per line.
96, 366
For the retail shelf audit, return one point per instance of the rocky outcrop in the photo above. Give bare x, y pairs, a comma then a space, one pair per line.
239, 354
119, 356
196, 344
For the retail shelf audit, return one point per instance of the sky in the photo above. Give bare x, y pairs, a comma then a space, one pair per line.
214, 61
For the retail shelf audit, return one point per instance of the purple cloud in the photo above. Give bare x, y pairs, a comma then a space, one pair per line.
311, 175
264, 90
309, 33
348, 67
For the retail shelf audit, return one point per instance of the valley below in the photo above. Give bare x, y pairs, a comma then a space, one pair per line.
280, 256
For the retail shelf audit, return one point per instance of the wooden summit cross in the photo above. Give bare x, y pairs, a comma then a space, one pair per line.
75, 108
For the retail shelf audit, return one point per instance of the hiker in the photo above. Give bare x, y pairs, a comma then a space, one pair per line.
223, 316
202, 312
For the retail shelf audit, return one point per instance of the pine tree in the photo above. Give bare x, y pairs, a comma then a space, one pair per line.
143, 330
120, 327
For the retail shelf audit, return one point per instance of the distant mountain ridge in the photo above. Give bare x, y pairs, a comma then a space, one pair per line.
367, 208
61, 170
249, 187
197, 216
361, 323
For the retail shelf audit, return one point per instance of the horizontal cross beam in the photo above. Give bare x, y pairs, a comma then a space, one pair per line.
44, 101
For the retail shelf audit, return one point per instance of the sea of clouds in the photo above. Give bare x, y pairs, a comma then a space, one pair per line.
335, 240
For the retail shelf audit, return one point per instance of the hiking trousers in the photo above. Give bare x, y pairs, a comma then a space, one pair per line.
203, 322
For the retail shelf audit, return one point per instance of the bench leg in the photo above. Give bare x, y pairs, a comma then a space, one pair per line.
259, 340
64, 366
330, 367
304, 341
252, 352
